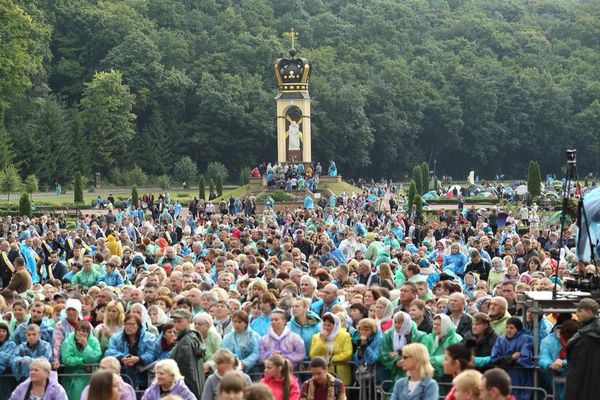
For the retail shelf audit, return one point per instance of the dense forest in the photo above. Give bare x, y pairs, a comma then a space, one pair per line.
113, 86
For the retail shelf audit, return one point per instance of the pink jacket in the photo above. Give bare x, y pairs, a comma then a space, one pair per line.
276, 386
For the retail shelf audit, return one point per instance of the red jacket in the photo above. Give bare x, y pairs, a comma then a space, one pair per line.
276, 386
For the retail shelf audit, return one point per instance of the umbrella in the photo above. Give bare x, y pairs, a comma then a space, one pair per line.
429, 195
521, 190
450, 191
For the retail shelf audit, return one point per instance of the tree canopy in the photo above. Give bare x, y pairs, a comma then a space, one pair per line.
107, 85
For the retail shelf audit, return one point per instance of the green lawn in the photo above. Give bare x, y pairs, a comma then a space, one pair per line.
340, 187
119, 194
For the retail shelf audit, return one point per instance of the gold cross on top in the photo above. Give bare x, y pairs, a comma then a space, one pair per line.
292, 35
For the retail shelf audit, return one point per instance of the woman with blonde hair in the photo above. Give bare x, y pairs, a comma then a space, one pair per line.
114, 315
419, 383
168, 381
42, 383
467, 385
256, 289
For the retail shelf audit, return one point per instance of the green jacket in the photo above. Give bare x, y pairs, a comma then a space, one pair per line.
213, 344
499, 325
373, 250
87, 279
387, 347
75, 360
436, 353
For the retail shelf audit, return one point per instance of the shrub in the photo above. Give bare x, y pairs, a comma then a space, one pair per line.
412, 192
534, 179
418, 180
277, 196
244, 177
211, 187
163, 181
419, 202
31, 184
202, 188
10, 181
78, 189
136, 176
215, 169
25, 205
134, 195
219, 185
425, 178
185, 170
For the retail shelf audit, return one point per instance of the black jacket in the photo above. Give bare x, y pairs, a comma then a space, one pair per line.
583, 353
483, 347
58, 270
188, 353
464, 324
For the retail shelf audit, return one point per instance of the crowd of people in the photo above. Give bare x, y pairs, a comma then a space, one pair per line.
310, 302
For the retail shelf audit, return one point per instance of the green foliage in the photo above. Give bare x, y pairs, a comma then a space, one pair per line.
467, 83
185, 170
219, 186
24, 44
417, 179
78, 189
411, 194
25, 205
10, 181
534, 179
135, 197
135, 176
419, 202
244, 176
215, 169
163, 181
202, 188
31, 184
277, 196
106, 113
425, 177
211, 187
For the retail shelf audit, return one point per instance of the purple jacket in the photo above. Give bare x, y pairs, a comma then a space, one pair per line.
127, 392
180, 389
53, 392
290, 345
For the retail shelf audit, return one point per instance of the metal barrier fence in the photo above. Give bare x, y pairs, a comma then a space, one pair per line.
363, 387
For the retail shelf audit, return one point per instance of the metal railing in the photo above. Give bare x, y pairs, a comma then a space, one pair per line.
364, 387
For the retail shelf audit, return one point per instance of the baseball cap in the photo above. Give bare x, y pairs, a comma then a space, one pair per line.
60, 296
588, 304
181, 313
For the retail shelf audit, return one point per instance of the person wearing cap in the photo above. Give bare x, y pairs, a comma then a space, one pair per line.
189, 352
583, 353
64, 328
